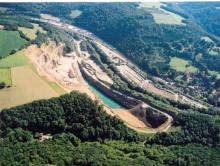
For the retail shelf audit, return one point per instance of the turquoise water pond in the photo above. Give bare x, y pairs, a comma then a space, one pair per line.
107, 100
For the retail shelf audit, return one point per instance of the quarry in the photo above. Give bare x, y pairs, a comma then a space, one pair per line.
75, 70
78, 71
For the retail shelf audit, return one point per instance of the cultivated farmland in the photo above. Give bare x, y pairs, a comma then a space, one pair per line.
26, 87
10, 40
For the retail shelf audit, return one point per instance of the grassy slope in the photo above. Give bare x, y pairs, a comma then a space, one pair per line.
10, 40
17, 59
75, 13
31, 33
180, 65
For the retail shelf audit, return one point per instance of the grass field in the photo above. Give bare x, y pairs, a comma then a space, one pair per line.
166, 17
214, 73
150, 4
17, 59
181, 65
75, 13
31, 33
215, 51
5, 76
26, 87
160, 15
10, 40
207, 39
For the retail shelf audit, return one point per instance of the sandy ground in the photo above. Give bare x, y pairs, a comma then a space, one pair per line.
137, 123
1, 27
49, 17
130, 119
26, 87
50, 63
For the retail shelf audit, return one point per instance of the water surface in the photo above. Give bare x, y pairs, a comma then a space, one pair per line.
107, 100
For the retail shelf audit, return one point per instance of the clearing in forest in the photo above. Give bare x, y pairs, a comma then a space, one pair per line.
214, 51
160, 15
26, 87
75, 13
10, 40
166, 17
32, 33
214, 73
155, 5
181, 65
207, 39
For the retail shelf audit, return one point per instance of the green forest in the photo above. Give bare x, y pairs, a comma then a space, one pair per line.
83, 134
134, 32
75, 130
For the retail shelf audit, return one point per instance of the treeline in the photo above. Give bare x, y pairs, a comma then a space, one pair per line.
75, 113
12, 22
57, 35
83, 134
195, 128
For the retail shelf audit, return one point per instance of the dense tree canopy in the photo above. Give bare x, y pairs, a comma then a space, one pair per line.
75, 113
82, 134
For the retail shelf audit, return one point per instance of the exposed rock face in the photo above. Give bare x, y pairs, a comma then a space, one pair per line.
124, 100
150, 116
52, 63
71, 74
155, 118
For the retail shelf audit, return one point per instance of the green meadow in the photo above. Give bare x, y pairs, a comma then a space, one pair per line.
181, 65
10, 40
32, 33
